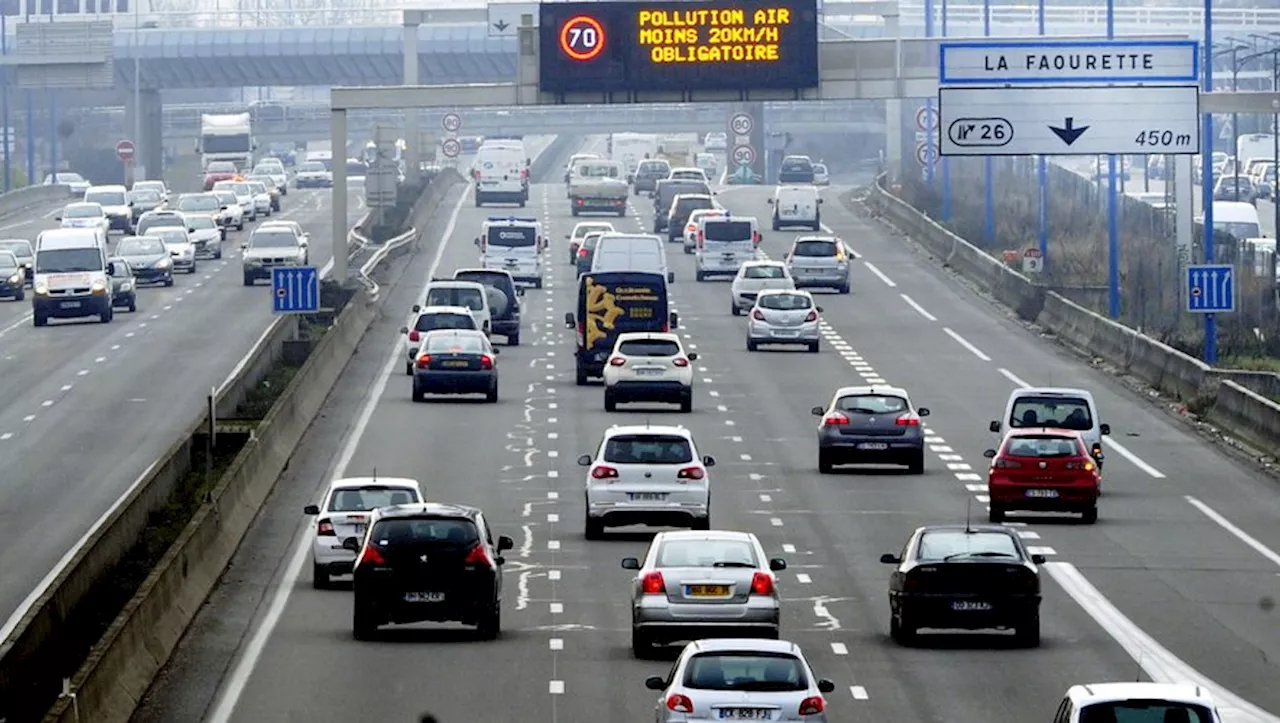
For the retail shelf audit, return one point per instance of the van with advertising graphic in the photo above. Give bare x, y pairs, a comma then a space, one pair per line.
611, 303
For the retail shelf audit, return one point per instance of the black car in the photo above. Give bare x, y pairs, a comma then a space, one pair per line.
21, 248
587, 252
427, 562
505, 316
870, 425
967, 578
796, 169
13, 283
648, 173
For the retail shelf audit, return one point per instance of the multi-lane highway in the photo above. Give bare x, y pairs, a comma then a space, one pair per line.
1179, 571
88, 407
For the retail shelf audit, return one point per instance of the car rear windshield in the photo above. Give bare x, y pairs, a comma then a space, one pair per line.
454, 344
582, 231
1060, 412
21, 249
446, 296
434, 531
139, 247
492, 279
745, 671
83, 212
649, 347
687, 205
203, 203
1043, 446
1145, 711
727, 231
943, 544
371, 497
160, 222
872, 404
200, 222
785, 302
106, 198
513, 237
815, 248
648, 449
272, 240
649, 168
764, 272
429, 322
591, 240
796, 164
707, 553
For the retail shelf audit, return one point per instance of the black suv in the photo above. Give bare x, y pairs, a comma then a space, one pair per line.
428, 562
506, 320
796, 169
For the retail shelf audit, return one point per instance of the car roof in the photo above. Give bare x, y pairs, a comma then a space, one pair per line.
871, 389
718, 645
357, 482
434, 509
764, 262
650, 335
999, 529
664, 429
82, 204
14, 240
1042, 432
457, 332
832, 238
455, 284
478, 270
786, 292
1051, 392
107, 187
696, 535
1091, 693
444, 309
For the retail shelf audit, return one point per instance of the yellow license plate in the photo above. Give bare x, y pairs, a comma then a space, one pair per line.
708, 590
456, 364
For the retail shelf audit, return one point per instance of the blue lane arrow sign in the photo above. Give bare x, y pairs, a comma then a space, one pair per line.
1210, 289
295, 290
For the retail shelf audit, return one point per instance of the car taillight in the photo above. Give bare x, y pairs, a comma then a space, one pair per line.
755, 238
653, 584
680, 361
757, 315
813, 316
580, 201
691, 227
414, 335
812, 706
486, 361
604, 472
679, 703
762, 584
691, 473
371, 556
907, 419
582, 252
478, 555
1007, 464
617, 361
423, 361
325, 528
834, 419
1096, 450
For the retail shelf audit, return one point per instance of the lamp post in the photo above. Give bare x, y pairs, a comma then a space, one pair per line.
137, 93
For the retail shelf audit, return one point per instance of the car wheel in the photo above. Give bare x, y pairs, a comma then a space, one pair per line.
825, 465
700, 276
686, 402
240, 226
248, 280
815, 347
40, 320
492, 395
408, 369
1027, 635
641, 644
218, 254
901, 630
513, 340
610, 405
916, 466
133, 304
751, 345
701, 523
580, 375
776, 225
363, 625
168, 281
593, 529
537, 283
996, 514
844, 288
490, 625
688, 251
106, 316
319, 577
22, 294
192, 270
1090, 516
417, 394
733, 309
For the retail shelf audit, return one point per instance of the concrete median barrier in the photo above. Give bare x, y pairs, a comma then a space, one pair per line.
28, 198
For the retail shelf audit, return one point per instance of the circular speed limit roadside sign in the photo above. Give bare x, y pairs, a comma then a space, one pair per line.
582, 38
451, 122
744, 155
451, 148
741, 124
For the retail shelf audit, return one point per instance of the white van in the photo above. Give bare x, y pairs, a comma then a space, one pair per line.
1237, 218
468, 294
1055, 408
631, 252
796, 206
725, 243
501, 173
72, 277
513, 245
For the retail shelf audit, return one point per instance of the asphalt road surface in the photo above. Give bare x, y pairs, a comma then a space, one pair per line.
1178, 571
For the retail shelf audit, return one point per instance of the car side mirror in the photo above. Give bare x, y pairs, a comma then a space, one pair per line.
352, 544
671, 279
673, 320
496, 352
655, 682
1105, 429
709, 461
191, 229
771, 202
890, 559
817, 411
693, 356
404, 330
311, 510
568, 237
989, 454
476, 241
519, 292
826, 686
994, 426
505, 543
820, 200
630, 563
777, 564
1037, 559
224, 208
819, 308
302, 243
584, 460
568, 321
57, 218
111, 269
416, 308
244, 246
922, 412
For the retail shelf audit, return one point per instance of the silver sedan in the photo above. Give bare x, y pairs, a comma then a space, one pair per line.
741, 679
784, 317
695, 584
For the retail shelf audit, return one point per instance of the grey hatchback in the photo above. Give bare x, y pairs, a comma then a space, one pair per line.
124, 285
696, 584
870, 425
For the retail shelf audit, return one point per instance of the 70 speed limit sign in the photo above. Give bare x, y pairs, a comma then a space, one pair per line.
744, 155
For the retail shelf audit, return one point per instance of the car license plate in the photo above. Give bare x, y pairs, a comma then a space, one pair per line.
647, 496
70, 305
649, 372
744, 714
706, 590
873, 445
359, 530
969, 606
427, 597
455, 364
1049, 494
786, 333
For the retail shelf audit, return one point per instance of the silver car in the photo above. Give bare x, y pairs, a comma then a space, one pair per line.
694, 584
819, 261
740, 679
782, 316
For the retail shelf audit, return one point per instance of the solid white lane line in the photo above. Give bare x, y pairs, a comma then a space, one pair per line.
919, 309
1137, 461
872, 268
966, 344
1240, 534
1013, 378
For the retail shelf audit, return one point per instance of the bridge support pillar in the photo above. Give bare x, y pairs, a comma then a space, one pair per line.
149, 149
412, 134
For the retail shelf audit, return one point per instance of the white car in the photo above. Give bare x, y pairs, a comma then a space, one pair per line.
205, 235
690, 173
178, 240
261, 197
649, 367
157, 186
580, 232
755, 277
783, 316
821, 176
313, 174
244, 197
694, 225
74, 181
115, 203
232, 212
275, 169
647, 474
270, 247
344, 512
293, 226
430, 319
716, 141
84, 215
467, 294
1130, 701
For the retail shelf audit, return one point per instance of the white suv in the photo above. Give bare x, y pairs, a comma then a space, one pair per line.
647, 475
1130, 701
649, 367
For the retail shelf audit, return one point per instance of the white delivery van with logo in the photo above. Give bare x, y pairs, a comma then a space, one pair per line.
513, 245
72, 277
725, 243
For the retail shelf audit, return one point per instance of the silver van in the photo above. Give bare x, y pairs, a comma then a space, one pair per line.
1055, 408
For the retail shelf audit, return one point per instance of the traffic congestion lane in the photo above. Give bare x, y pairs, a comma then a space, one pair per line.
967, 355
90, 406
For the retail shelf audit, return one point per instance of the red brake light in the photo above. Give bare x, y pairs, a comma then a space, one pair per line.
1007, 464
604, 472
679, 703
833, 419
486, 362
757, 315
325, 528
762, 584
581, 201
908, 419
582, 252
812, 706
478, 555
691, 473
617, 361
680, 361
414, 335
653, 584
371, 556
813, 316
423, 361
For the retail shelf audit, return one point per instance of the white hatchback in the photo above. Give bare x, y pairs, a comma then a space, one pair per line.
784, 317
649, 367
430, 319
754, 278
695, 225
344, 512
647, 475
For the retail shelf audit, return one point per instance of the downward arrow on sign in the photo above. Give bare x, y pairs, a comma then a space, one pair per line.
501, 25
1069, 133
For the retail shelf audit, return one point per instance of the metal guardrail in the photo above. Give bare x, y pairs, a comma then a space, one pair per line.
379, 256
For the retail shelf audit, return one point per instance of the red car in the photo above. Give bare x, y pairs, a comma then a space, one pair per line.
1043, 470
219, 171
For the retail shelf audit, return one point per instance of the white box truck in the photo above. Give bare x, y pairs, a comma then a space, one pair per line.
226, 138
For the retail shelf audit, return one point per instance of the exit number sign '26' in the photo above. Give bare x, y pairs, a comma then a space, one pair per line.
619, 47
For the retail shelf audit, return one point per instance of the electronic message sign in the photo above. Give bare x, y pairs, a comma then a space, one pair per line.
614, 47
